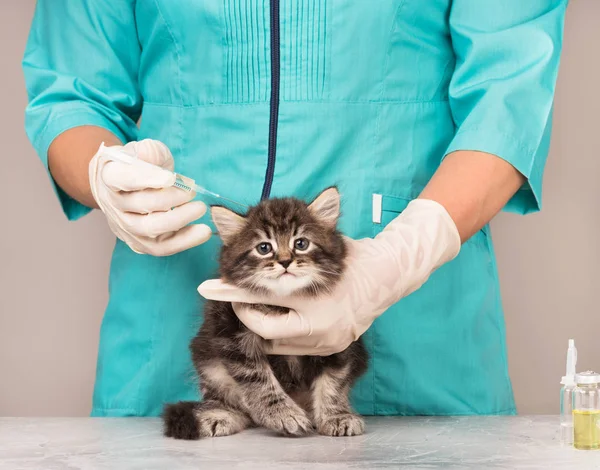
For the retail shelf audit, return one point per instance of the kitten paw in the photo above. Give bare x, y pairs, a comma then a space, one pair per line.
288, 419
220, 422
179, 420
341, 425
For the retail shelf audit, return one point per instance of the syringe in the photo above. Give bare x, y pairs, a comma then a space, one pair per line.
181, 182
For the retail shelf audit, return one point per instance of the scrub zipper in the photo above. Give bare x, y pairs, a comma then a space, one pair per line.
275, 83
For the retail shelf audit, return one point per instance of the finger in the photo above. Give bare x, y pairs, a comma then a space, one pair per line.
152, 151
281, 349
150, 200
307, 346
288, 325
186, 238
123, 177
215, 289
159, 223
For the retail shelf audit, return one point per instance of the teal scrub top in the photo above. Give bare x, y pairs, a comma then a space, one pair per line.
261, 98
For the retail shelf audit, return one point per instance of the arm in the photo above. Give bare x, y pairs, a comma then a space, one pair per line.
500, 95
473, 187
80, 65
81, 68
69, 158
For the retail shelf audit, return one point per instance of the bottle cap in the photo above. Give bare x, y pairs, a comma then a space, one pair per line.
588, 377
567, 380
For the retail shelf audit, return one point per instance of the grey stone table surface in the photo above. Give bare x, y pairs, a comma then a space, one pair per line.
529, 442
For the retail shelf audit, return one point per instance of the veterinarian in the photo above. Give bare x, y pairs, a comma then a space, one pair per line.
430, 119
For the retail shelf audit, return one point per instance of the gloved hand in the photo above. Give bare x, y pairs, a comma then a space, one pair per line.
380, 271
142, 207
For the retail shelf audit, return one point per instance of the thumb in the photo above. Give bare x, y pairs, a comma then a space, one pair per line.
152, 151
276, 326
216, 289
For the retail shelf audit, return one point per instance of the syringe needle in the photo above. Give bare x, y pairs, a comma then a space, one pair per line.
200, 189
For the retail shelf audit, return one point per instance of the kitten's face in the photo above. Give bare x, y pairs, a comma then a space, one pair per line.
283, 246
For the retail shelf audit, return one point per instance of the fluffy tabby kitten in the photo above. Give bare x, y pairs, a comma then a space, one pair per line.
281, 246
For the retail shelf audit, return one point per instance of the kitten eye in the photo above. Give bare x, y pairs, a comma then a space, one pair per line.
264, 248
301, 244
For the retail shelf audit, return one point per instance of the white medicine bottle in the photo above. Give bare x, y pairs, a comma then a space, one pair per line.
567, 395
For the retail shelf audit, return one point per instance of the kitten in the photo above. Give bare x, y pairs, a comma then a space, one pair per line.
283, 247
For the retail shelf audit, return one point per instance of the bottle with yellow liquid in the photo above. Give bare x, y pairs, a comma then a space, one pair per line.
586, 411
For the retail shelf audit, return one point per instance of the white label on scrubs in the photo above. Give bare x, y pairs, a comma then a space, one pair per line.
377, 208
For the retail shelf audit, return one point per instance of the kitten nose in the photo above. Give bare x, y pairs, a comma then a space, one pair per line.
285, 262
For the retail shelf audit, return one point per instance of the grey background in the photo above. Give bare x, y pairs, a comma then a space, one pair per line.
53, 274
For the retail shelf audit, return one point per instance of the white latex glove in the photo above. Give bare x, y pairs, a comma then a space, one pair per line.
380, 271
142, 207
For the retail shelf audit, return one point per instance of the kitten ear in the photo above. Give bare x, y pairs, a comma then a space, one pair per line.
326, 207
228, 223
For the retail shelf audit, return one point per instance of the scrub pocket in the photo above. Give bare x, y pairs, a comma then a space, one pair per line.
387, 208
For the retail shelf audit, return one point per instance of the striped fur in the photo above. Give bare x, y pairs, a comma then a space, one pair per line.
243, 386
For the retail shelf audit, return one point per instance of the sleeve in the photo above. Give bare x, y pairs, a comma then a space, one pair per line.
502, 90
81, 64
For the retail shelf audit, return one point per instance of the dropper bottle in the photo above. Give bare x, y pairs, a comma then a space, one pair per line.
567, 395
